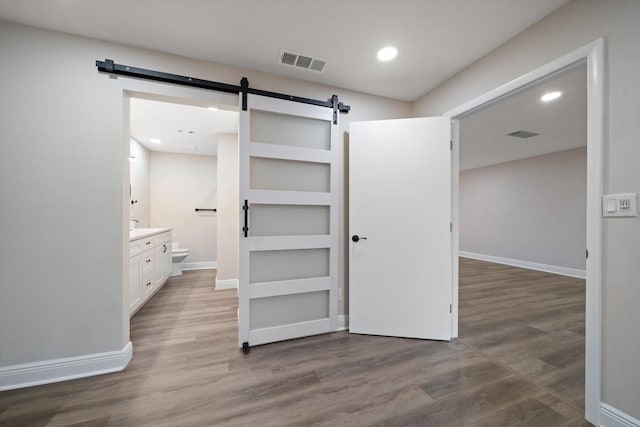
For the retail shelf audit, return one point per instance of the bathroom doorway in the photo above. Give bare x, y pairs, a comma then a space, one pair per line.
178, 180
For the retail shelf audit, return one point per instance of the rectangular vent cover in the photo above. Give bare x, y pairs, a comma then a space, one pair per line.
523, 134
305, 62
288, 58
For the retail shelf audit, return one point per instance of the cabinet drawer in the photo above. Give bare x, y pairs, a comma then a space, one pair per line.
148, 261
147, 283
163, 238
147, 242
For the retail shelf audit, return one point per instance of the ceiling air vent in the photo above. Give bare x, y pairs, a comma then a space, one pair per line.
306, 62
303, 61
317, 65
523, 134
288, 58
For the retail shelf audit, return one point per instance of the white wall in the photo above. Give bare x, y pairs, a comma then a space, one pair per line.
530, 210
228, 207
70, 155
572, 26
180, 183
140, 184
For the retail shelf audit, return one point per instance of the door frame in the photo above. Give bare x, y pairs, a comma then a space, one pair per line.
592, 55
153, 91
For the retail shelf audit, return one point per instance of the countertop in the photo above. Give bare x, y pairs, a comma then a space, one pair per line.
141, 233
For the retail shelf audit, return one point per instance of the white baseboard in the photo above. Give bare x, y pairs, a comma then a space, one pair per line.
68, 368
204, 265
612, 417
564, 271
343, 322
226, 284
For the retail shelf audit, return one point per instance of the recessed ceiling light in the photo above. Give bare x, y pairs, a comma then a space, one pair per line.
155, 141
387, 53
550, 96
213, 108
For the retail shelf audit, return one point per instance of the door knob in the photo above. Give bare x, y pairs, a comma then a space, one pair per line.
356, 238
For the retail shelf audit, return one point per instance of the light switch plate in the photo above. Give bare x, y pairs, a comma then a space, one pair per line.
621, 205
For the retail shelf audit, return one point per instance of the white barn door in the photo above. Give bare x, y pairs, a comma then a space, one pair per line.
400, 259
288, 275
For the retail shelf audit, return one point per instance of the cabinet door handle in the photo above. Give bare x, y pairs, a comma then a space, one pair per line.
148, 243
164, 248
148, 284
148, 260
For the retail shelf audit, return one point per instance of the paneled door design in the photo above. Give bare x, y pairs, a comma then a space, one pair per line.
289, 197
400, 259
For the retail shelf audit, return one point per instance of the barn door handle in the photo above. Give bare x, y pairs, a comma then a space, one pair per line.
357, 238
245, 208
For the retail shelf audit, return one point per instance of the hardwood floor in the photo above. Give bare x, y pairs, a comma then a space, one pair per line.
519, 361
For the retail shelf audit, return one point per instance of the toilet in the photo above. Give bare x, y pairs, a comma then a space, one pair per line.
178, 255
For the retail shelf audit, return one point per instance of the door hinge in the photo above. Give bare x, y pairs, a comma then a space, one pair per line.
451, 227
587, 253
451, 144
450, 308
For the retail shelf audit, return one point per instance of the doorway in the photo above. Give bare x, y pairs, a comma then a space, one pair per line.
522, 219
176, 147
593, 55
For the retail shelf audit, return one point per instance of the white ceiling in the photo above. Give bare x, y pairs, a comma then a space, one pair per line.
562, 124
165, 121
435, 38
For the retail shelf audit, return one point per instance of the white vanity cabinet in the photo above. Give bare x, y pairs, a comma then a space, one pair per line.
149, 264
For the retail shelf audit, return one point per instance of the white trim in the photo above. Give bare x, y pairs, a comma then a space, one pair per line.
335, 188
277, 243
226, 284
281, 197
564, 271
593, 53
68, 368
288, 287
284, 106
289, 331
203, 265
274, 151
455, 230
612, 417
595, 185
343, 322
243, 244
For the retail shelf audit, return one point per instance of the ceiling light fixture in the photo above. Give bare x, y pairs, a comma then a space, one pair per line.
155, 141
550, 96
387, 53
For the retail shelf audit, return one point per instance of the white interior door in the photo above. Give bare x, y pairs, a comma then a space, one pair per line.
288, 272
400, 269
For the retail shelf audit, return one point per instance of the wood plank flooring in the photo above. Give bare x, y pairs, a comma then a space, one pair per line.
519, 361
